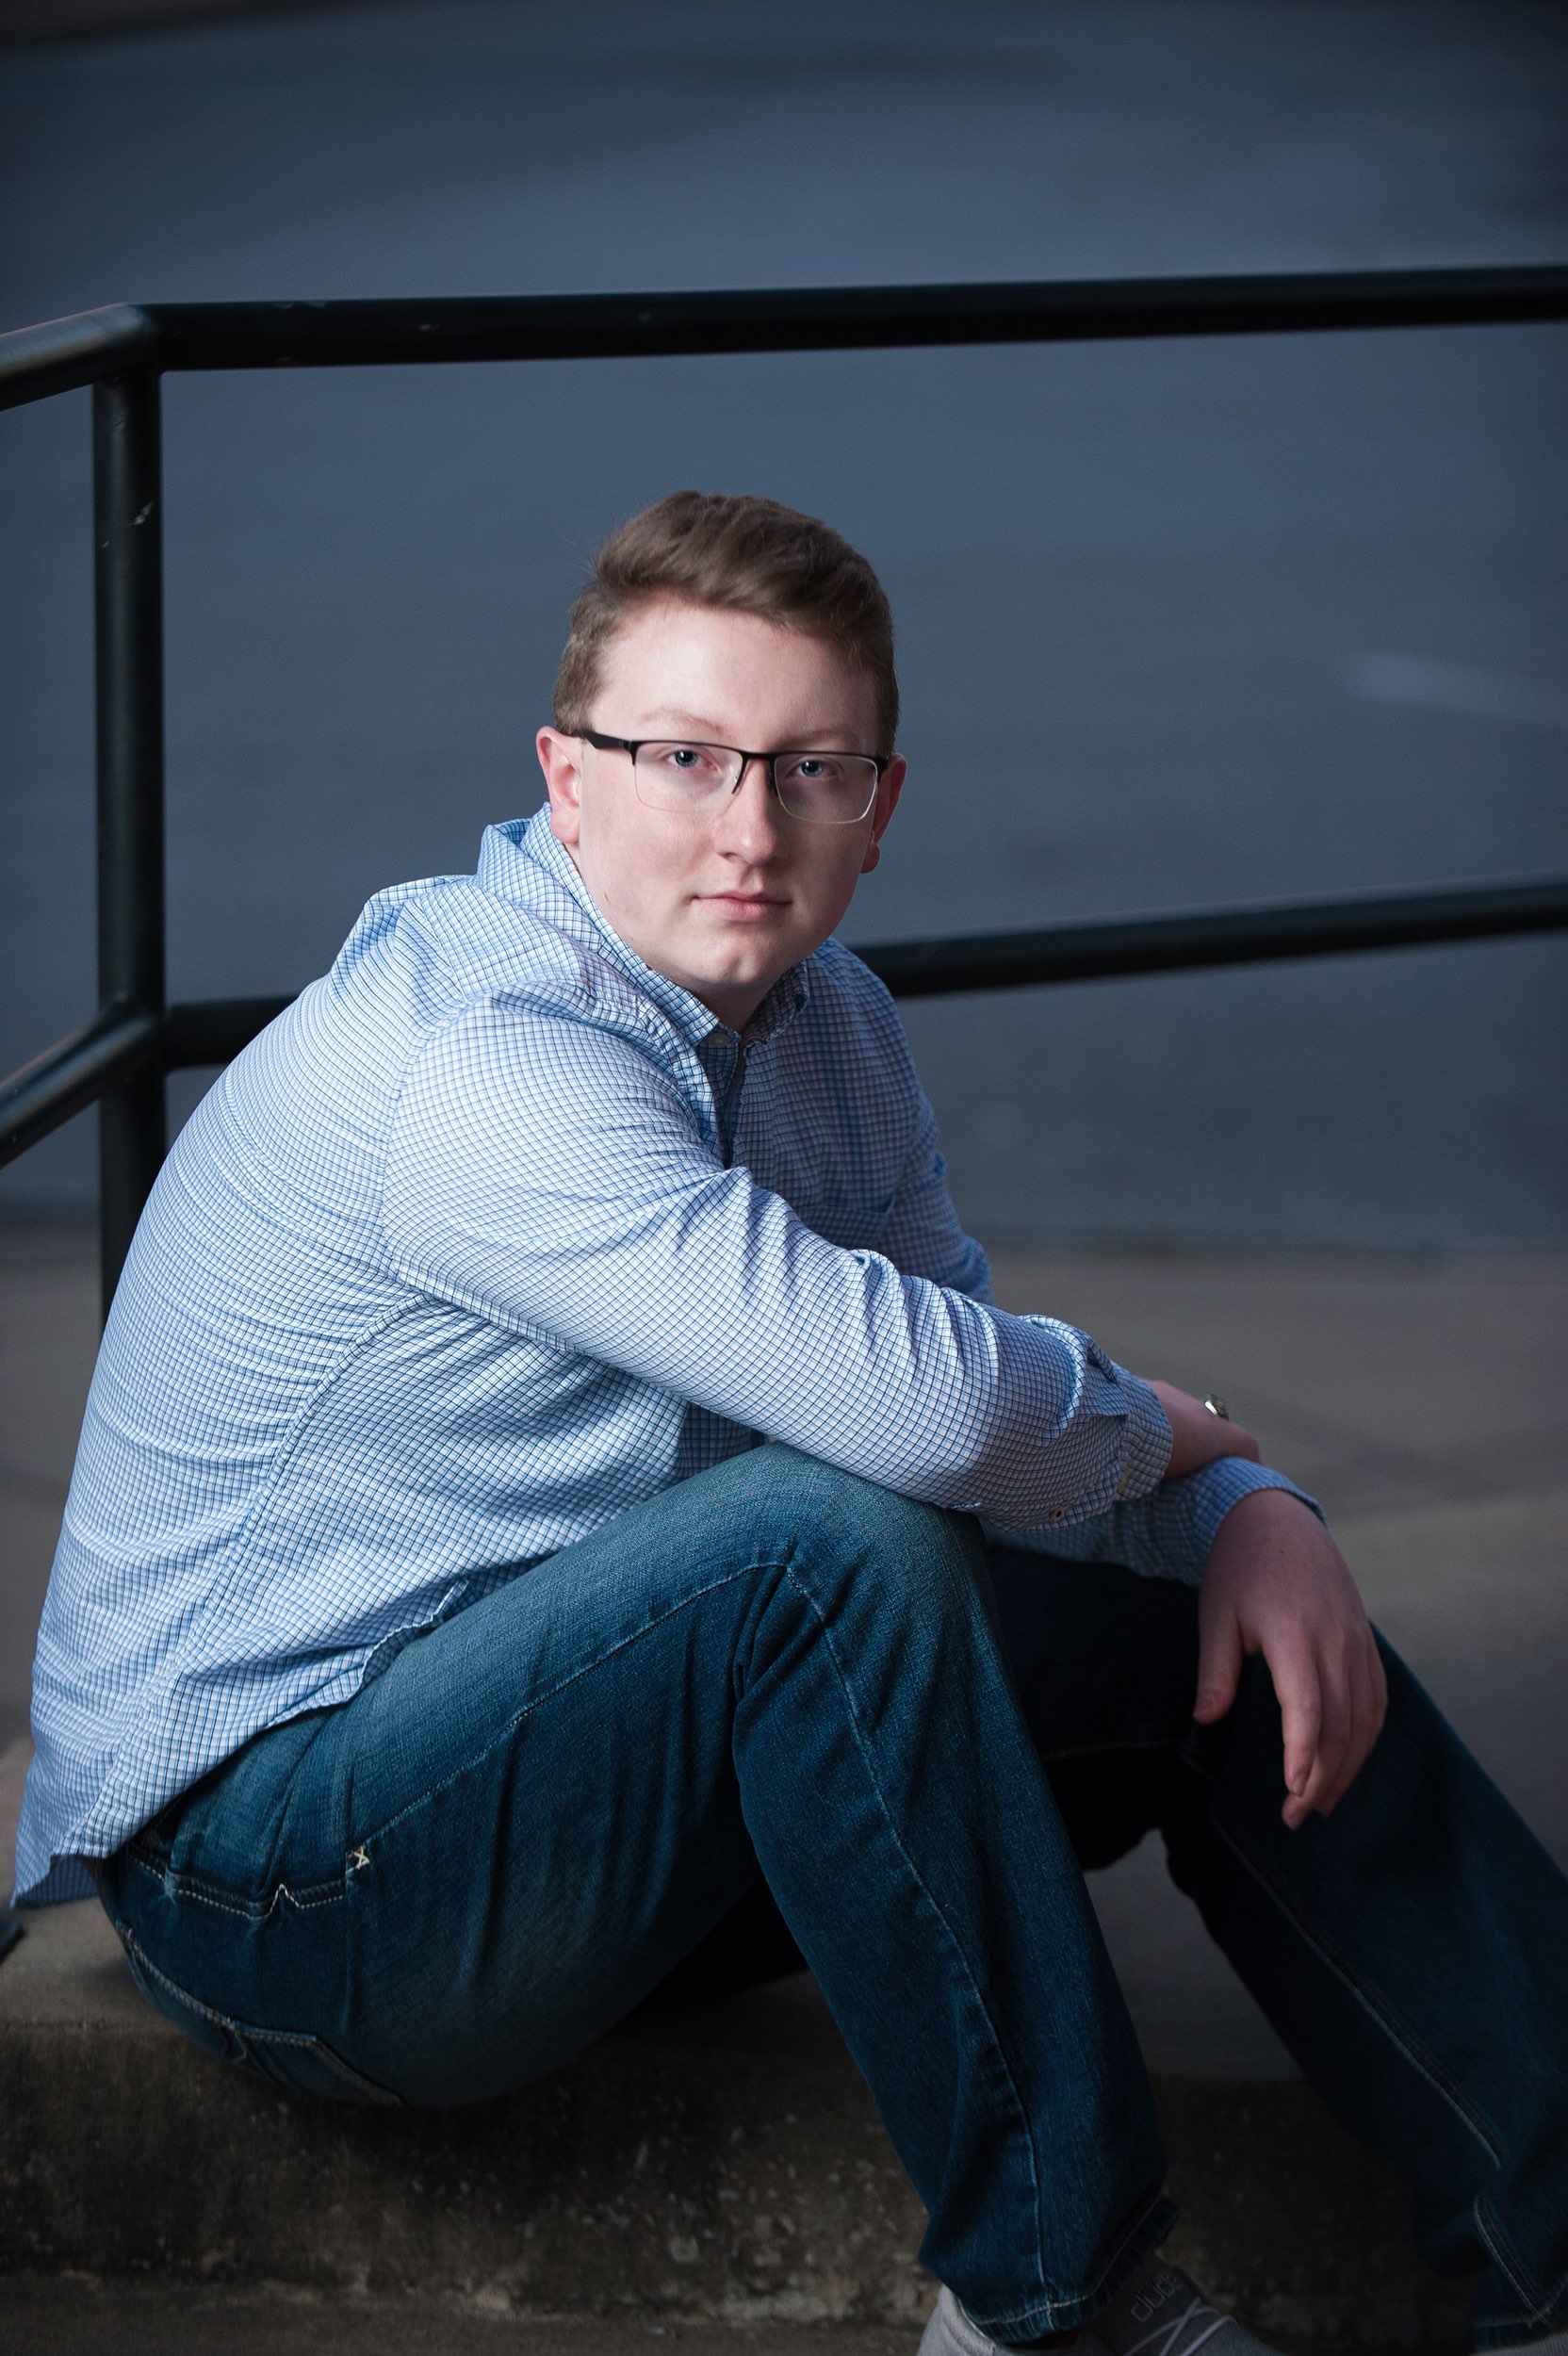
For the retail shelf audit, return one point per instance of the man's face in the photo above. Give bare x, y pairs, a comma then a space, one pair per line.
725, 901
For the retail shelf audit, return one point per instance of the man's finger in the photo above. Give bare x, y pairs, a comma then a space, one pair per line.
1219, 1656
1301, 1702
1332, 1770
1369, 1702
1351, 1720
1336, 1737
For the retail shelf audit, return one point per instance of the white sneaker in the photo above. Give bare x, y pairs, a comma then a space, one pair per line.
1159, 2312
950, 2332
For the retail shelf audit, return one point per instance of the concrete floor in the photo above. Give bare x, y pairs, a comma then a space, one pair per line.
1424, 1401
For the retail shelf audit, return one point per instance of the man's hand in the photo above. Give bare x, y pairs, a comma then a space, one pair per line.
1196, 1436
1276, 1583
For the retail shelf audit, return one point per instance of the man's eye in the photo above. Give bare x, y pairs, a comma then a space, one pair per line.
812, 769
685, 760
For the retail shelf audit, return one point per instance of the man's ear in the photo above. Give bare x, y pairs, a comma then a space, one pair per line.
888, 791
560, 759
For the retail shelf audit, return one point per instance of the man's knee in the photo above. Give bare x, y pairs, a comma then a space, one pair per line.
835, 1516
862, 1518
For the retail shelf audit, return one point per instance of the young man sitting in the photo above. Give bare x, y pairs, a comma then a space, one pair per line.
559, 1517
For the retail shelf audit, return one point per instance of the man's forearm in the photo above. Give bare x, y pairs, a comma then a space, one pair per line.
620, 1235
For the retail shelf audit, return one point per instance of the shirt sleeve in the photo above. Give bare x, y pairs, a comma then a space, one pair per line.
1162, 1529
546, 1173
1166, 1534
923, 1235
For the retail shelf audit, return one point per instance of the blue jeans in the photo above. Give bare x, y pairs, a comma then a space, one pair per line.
777, 1713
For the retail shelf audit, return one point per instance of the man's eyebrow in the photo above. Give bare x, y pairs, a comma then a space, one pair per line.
709, 731
689, 723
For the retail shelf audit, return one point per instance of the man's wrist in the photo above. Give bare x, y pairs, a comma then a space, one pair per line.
1218, 1489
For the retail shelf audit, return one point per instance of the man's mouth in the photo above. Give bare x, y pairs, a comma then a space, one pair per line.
744, 904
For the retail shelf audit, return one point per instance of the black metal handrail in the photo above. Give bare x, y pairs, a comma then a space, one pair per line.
200, 1033
122, 1058
64, 354
1263, 935
118, 1042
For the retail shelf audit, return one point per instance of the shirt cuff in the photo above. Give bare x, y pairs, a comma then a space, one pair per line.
1211, 1492
1146, 1450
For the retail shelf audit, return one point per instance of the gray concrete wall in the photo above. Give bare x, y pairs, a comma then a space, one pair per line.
1179, 623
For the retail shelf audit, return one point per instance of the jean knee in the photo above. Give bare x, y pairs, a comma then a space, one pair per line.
925, 1553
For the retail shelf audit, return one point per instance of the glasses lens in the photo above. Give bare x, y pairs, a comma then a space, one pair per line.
684, 777
835, 787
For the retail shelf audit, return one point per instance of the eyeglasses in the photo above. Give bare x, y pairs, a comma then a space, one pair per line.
826, 789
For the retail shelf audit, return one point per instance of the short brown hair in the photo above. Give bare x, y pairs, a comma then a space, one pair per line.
749, 555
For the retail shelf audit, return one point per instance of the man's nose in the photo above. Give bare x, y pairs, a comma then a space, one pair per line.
748, 823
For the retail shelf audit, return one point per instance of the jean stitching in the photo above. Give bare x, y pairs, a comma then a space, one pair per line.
1400, 2035
551, 1692
226, 1901
1504, 2258
586, 1668
182, 1995
1372, 2005
1051, 2311
867, 1762
162, 1876
302, 2039
208, 1895
505, 1735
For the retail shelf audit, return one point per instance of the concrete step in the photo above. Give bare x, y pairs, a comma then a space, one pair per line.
720, 2165
52, 2314
728, 2164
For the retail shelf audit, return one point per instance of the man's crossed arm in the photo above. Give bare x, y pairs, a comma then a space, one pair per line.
1276, 1583
614, 1231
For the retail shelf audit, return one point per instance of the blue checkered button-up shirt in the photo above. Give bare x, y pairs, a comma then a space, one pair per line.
493, 1235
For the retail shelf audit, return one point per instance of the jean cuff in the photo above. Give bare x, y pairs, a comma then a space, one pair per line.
1049, 2316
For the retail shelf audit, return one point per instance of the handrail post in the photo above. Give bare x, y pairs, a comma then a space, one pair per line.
129, 600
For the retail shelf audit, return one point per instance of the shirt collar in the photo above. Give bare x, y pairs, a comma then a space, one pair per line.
534, 844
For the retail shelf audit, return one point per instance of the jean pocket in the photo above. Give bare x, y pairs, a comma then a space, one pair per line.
307, 2065
295, 2058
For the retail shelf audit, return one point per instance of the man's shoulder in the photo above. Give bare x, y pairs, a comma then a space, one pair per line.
447, 945
837, 961
845, 992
